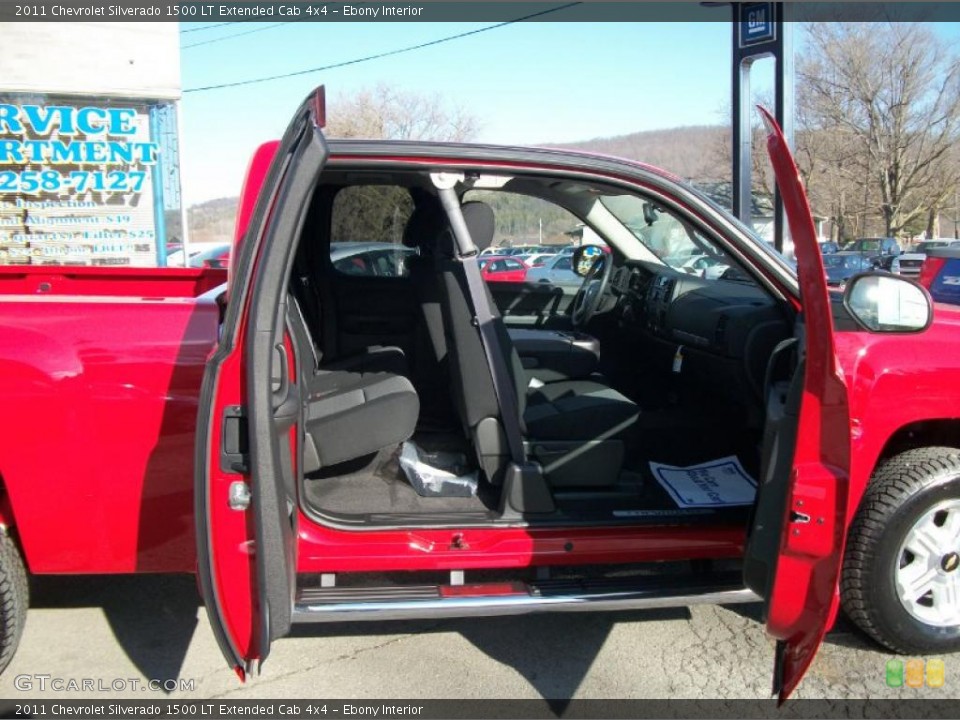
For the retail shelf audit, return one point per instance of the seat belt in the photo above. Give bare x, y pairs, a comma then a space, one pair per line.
503, 385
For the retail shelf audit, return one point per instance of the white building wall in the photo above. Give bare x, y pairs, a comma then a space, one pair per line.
122, 59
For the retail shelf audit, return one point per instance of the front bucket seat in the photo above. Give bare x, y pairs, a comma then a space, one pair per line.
577, 429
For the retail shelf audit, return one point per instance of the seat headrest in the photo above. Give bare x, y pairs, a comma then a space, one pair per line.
425, 224
480, 222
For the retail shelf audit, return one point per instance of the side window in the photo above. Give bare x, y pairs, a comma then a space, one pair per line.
564, 263
523, 223
366, 230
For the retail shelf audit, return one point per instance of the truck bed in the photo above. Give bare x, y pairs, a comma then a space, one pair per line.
109, 281
100, 372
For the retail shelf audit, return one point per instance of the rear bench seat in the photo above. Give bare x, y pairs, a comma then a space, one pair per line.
354, 407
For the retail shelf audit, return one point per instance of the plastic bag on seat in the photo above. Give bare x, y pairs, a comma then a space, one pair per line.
437, 474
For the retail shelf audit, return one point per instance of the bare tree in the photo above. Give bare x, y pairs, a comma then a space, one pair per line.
387, 113
890, 93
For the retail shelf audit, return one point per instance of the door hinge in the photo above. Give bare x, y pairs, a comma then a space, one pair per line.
235, 443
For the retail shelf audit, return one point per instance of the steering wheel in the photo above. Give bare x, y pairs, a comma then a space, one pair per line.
590, 295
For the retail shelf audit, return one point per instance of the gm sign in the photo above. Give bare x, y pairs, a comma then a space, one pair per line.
756, 23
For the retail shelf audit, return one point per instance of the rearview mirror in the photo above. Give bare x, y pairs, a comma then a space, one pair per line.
882, 302
584, 257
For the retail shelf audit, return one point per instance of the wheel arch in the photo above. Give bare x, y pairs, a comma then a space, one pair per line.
935, 432
8, 521
7, 517
943, 432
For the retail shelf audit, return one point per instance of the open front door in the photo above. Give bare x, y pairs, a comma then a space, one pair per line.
250, 415
795, 546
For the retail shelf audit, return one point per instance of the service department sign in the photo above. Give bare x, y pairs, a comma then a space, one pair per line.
76, 183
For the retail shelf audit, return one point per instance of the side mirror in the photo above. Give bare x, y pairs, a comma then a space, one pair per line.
584, 257
882, 302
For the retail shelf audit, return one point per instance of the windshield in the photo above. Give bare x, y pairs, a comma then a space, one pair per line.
930, 245
662, 233
674, 241
763, 244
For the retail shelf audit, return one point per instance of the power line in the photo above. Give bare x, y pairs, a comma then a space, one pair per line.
387, 53
230, 37
208, 27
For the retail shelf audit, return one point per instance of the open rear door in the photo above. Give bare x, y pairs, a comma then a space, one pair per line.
795, 546
249, 422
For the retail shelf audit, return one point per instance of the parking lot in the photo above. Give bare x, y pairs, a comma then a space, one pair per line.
153, 627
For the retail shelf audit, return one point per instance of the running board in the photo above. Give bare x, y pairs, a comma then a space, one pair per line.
509, 598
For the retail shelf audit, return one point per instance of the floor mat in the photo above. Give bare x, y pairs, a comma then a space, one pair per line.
379, 487
718, 483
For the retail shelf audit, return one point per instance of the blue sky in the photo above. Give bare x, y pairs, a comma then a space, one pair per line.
527, 83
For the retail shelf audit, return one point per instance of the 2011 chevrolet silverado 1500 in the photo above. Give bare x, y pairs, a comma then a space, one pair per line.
354, 423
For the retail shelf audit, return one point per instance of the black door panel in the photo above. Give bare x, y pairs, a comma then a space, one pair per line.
540, 305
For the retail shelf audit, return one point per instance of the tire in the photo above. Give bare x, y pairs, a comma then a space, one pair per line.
14, 599
912, 497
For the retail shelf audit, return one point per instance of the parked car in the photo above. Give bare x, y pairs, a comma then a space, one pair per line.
268, 434
175, 258
940, 274
828, 247
880, 251
537, 259
909, 263
513, 250
556, 271
379, 259
499, 268
217, 256
842, 266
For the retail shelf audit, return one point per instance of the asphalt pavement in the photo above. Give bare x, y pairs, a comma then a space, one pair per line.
113, 630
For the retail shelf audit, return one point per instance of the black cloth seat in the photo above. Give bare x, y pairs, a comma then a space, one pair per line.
376, 411
375, 358
423, 228
579, 427
583, 409
354, 410
430, 367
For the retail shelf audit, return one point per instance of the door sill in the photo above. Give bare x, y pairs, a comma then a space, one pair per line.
333, 604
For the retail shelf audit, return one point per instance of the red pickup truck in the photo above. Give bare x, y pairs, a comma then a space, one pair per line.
321, 443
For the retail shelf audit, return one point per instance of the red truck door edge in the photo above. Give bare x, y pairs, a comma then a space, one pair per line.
795, 547
249, 420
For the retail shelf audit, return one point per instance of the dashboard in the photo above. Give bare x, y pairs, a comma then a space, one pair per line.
724, 317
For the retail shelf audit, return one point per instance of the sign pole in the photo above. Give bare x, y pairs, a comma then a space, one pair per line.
759, 30
156, 177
